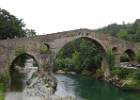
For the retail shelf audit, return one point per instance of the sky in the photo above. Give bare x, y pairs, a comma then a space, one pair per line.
50, 16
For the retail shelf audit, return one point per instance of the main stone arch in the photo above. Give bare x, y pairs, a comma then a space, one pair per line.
98, 43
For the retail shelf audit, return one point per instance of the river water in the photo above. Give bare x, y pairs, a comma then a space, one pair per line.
91, 89
84, 88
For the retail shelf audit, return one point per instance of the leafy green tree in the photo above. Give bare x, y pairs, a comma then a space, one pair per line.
30, 32
136, 26
122, 34
110, 58
76, 60
61, 54
11, 26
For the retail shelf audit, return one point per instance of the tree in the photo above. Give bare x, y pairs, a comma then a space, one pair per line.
11, 26
76, 60
122, 34
110, 58
30, 32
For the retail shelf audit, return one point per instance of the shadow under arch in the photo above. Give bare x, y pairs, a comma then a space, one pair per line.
48, 46
15, 71
128, 56
131, 54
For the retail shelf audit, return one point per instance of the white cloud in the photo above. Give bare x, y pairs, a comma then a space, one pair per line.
48, 16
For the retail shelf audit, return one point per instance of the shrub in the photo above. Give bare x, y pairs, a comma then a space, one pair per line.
136, 74
123, 72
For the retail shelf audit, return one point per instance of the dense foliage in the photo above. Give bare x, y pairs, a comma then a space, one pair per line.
81, 54
12, 27
130, 31
129, 78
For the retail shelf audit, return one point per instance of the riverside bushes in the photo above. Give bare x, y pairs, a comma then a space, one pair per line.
123, 72
129, 78
136, 74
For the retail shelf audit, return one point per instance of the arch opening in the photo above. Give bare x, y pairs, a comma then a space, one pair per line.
115, 50
80, 54
44, 48
20, 71
128, 56
131, 54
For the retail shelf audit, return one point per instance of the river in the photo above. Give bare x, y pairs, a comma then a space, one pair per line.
85, 88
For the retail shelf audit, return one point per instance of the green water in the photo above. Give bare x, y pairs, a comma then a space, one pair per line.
85, 88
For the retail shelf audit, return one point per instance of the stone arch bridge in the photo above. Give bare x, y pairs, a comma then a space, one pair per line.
56, 41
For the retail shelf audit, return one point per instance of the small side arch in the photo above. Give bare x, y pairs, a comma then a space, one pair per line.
44, 48
131, 54
128, 56
17, 72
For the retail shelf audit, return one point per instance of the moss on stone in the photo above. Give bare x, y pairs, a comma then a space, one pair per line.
19, 51
44, 49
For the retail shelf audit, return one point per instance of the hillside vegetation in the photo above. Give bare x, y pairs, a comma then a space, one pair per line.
130, 31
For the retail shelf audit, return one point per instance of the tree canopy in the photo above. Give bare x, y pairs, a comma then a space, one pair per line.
12, 27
